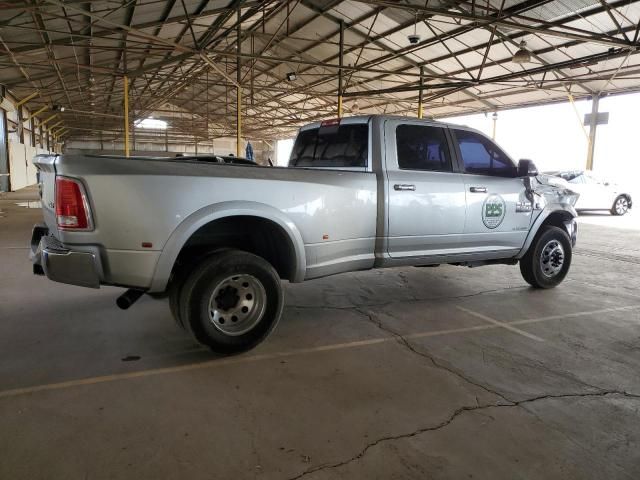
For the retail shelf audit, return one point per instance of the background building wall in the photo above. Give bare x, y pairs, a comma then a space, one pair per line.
22, 141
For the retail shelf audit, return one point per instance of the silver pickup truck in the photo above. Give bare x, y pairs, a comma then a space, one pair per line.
359, 193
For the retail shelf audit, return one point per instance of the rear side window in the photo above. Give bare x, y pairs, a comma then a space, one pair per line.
483, 157
422, 147
342, 147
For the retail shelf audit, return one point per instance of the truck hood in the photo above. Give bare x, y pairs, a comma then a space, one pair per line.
551, 189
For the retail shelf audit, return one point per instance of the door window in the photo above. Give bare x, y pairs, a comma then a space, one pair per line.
481, 156
422, 147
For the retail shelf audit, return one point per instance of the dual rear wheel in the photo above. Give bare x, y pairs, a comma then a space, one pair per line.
230, 302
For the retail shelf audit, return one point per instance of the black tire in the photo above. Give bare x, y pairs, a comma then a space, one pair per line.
546, 274
178, 279
175, 288
240, 280
620, 205
176, 283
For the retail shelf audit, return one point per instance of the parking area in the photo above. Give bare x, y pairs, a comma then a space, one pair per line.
444, 372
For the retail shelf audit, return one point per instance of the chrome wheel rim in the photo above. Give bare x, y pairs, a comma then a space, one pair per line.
552, 258
237, 304
621, 206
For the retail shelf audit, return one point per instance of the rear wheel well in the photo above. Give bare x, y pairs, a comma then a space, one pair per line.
256, 235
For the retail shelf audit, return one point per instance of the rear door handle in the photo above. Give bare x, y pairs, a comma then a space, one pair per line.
478, 189
404, 186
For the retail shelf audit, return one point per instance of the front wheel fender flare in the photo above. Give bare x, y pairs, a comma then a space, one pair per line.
564, 208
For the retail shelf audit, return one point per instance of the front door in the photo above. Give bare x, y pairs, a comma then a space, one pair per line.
498, 211
426, 198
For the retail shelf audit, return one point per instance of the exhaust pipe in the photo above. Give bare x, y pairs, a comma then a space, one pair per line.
128, 298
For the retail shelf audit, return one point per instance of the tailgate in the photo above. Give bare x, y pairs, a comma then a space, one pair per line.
47, 187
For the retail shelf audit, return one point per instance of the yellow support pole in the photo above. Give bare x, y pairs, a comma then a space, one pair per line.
420, 94
340, 63
26, 99
44, 122
593, 125
575, 109
495, 125
238, 87
126, 116
239, 120
35, 114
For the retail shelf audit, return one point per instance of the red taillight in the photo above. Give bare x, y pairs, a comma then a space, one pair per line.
330, 123
71, 207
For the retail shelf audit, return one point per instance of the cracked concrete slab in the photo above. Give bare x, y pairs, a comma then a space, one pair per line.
289, 409
504, 442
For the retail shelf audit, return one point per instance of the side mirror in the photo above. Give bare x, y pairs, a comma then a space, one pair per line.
526, 168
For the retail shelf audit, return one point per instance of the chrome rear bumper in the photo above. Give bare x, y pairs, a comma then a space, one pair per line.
60, 264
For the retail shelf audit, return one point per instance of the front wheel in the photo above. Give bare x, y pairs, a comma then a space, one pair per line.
620, 206
548, 259
232, 301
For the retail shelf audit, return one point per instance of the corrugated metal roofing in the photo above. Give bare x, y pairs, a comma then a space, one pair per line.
75, 54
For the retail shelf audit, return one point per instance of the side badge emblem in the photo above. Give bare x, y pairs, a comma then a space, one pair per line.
493, 210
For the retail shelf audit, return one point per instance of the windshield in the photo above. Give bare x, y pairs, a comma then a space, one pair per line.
342, 147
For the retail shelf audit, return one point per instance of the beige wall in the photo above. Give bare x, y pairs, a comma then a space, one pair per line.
21, 147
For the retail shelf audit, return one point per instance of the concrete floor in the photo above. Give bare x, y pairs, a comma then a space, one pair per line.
409, 373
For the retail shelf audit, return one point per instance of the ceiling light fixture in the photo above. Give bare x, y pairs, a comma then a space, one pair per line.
415, 38
522, 55
291, 76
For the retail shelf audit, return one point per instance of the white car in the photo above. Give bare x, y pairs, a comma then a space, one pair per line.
596, 193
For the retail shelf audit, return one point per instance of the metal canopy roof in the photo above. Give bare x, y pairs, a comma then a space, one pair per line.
180, 57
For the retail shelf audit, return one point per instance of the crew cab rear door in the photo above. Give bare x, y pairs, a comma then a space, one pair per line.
426, 199
498, 214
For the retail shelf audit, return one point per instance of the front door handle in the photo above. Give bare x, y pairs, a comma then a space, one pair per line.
404, 186
478, 189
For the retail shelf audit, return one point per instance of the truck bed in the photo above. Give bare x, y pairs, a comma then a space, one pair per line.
333, 212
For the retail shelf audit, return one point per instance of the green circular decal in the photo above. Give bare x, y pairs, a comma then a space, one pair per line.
493, 210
